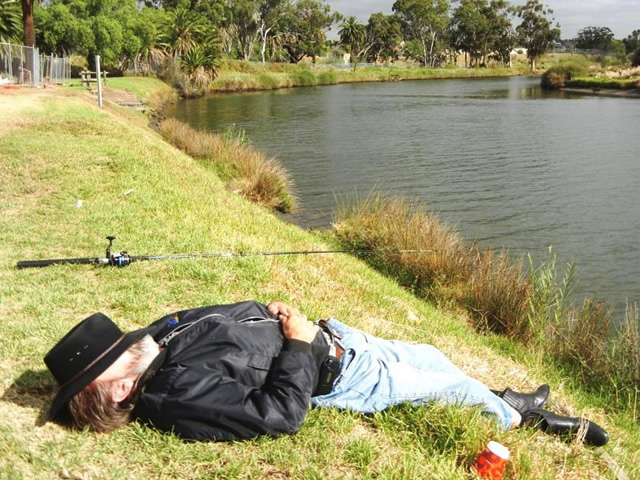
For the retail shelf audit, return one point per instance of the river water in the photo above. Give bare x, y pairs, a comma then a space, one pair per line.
509, 165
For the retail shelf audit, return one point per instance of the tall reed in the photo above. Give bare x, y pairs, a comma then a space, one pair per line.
247, 171
383, 224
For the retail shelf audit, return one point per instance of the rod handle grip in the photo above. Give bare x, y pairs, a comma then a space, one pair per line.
57, 261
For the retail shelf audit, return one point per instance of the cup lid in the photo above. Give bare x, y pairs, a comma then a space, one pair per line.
499, 449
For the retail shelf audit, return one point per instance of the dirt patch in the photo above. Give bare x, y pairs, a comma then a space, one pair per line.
119, 96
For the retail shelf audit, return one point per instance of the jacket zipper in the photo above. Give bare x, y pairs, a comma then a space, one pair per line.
182, 328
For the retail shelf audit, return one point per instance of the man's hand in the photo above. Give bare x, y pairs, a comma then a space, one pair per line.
281, 309
294, 324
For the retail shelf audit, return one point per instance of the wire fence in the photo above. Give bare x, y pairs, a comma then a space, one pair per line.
20, 65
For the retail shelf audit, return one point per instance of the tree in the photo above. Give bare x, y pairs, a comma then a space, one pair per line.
632, 42
269, 14
481, 28
243, 16
423, 22
142, 45
594, 38
63, 31
536, 32
353, 35
303, 29
10, 21
386, 36
28, 27
180, 31
117, 30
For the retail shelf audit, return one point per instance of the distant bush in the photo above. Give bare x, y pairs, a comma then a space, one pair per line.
304, 78
327, 78
268, 82
558, 75
79, 63
246, 170
635, 58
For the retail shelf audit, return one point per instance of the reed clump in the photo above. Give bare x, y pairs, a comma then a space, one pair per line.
498, 294
373, 224
246, 170
501, 294
558, 75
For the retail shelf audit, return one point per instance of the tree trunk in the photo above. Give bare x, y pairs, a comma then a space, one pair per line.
433, 42
424, 52
264, 33
27, 23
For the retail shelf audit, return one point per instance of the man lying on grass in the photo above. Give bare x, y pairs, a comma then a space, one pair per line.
238, 371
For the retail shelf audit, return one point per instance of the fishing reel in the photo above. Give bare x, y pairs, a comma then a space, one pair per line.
118, 259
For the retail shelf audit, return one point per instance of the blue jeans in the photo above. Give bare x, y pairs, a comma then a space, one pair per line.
376, 373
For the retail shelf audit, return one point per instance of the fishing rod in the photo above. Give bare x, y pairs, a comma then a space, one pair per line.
122, 259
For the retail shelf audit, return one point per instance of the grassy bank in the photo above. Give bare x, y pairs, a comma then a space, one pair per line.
58, 149
236, 76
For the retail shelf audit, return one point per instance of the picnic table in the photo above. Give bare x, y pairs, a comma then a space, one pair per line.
88, 77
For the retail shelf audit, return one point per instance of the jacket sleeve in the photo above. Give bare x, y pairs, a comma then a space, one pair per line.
203, 404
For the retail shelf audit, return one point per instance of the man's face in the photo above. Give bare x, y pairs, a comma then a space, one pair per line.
119, 369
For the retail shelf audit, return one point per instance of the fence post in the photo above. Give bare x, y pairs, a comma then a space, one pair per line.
99, 80
10, 63
36, 75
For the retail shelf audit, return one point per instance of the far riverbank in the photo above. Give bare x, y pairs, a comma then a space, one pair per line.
236, 76
604, 92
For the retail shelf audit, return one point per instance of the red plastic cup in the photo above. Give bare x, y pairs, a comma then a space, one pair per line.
491, 463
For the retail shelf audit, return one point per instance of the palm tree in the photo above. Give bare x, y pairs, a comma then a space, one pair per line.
27, 23
9, 21
351, 33
181, 31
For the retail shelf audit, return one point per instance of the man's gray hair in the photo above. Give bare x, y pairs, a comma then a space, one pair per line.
93, 406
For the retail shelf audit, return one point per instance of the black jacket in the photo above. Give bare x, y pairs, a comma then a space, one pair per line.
228, 373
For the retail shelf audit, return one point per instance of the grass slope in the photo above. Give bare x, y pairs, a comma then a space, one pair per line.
57, 149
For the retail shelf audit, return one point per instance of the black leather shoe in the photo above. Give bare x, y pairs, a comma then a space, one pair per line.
549, 422
523, 402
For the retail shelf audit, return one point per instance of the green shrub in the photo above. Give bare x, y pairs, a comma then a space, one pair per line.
268, 82
304, 78
327, 78
558, 75
79, 63
635, 58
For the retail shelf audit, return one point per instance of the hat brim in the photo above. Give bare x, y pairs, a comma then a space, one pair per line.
67, 392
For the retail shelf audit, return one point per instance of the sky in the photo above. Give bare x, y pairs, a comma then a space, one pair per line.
621, 16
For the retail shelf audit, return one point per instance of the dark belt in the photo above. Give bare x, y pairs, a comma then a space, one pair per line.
336, 349
339, 350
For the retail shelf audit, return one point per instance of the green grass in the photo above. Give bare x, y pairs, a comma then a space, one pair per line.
603, 82
57, 149
141, 87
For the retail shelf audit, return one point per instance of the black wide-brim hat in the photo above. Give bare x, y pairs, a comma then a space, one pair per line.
85, 353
